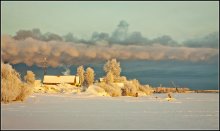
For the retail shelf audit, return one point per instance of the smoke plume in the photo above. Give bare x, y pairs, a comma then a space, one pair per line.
67, 71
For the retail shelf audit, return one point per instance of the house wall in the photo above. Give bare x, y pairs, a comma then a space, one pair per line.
53, 80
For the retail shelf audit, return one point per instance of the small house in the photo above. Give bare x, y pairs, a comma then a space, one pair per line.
68, 79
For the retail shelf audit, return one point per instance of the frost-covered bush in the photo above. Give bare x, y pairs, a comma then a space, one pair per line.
130, 89
80, 73
114, 67
26, 90
96, 90
109, 77
146, 89
120, 79
12, 88
89, 76
30, 78
51, 89
136, 83
67, 88
111, 89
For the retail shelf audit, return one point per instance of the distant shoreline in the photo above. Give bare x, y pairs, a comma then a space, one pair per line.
206, 91
181, 90
195, 91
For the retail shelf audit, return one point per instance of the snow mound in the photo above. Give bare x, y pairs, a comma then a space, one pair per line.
59, 88
96, 90
140, 93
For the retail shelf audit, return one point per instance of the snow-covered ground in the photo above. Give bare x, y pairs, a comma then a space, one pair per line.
84, 111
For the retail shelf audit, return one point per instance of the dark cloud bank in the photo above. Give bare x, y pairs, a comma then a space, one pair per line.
31, 46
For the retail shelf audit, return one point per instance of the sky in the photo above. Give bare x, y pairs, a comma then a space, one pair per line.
82, 32
180, 20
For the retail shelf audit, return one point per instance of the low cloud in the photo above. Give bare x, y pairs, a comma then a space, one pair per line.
121, 36
209, 41
31, 47
32, 51
36, 34
165, 40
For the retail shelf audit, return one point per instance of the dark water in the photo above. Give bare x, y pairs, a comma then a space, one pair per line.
194, 75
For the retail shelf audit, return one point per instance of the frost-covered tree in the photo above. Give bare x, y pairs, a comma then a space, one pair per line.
12, 88
114, 67
89, 76
30, 77
109, 77
80, 73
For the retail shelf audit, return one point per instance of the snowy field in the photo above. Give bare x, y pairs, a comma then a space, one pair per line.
83, 111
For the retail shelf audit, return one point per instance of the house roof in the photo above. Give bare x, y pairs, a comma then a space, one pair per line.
59, 79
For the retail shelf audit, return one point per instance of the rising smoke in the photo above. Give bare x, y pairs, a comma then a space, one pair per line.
67, 70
